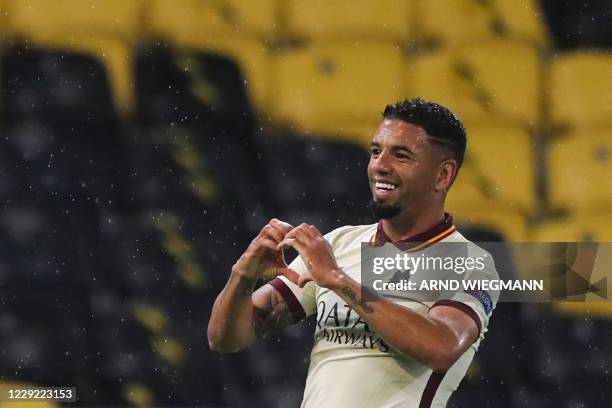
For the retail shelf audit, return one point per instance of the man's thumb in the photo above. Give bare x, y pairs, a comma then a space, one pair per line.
303, 280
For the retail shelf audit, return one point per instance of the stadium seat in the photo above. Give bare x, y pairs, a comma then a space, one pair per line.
580, 169
337, 179
77, 18
114, 55
212, 19
486, 180
493, 82
460, 22
337, 89
601, 310
250, 55
386, 20
4, 31
581, 85
591, 226
44, 83
511, 179
182, 86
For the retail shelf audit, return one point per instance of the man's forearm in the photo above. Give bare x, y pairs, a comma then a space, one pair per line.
231, 323
411, 333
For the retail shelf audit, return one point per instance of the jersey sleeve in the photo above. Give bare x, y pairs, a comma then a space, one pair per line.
477, 303
301, 301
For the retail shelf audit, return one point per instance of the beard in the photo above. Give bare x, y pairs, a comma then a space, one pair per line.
382, 210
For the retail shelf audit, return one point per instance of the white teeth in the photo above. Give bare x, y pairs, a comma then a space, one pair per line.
384, 186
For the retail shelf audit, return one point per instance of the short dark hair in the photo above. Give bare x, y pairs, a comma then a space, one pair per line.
440, 124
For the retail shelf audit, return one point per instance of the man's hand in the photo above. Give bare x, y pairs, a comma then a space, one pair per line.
262, 259
316, 253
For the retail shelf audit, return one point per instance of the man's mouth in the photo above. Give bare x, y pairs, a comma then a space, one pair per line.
383, 186
384, 189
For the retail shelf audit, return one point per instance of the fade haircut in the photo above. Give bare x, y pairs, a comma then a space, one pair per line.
443, 128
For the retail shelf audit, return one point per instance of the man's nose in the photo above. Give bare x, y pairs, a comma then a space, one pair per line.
381, 164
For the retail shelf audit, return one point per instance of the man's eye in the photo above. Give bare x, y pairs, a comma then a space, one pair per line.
375, 152
401, 156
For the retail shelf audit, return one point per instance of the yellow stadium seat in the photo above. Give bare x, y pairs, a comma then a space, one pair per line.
341, 19
457, 22
471, 188
211, 18
337, 88
494, 82
594, 226
580, 170
474, 202
77, 18
4, 31
592, 309
581, 85
504, 156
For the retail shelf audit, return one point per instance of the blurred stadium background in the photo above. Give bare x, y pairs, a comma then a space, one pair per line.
144, 143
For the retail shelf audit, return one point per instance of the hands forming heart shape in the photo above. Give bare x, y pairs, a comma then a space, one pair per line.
264, 258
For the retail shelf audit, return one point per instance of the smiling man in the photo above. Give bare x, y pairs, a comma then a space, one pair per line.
369, 351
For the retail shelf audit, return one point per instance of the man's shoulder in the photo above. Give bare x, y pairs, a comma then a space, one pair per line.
350, 234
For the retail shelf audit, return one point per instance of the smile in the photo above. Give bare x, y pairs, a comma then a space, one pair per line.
384, 186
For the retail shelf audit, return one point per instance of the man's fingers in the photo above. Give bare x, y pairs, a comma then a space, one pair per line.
283, 227
293, 276
272, 233
261, 242
296, 242
290, 274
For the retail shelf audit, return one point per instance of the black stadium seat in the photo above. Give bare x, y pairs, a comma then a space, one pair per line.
317, 181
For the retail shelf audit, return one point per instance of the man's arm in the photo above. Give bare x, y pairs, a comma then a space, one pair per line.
240, 315
437, 339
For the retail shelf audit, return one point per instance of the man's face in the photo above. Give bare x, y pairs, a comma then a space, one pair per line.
403, 168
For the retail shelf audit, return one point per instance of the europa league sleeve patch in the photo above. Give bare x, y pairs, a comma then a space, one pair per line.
484, 299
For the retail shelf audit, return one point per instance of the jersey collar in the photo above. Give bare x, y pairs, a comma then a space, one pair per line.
436, 233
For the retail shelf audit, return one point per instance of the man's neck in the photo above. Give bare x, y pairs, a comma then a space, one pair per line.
408, 224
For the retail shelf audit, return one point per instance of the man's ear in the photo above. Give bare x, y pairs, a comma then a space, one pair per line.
447, 171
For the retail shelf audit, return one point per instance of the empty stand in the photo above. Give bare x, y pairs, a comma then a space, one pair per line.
581, 83
492, 82
337, 88
458, 22
388, 20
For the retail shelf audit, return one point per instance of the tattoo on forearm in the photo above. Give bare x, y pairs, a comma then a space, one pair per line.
358, 302
246, 286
